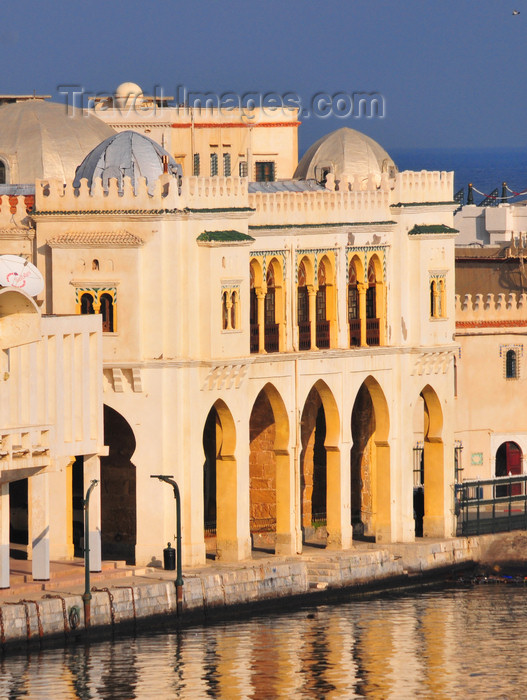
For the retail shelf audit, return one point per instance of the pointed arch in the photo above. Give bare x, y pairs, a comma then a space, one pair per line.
370, 462
219, 446
322, 481
271, 472
434, 514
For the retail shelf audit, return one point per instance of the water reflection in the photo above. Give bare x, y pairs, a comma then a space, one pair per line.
441, 644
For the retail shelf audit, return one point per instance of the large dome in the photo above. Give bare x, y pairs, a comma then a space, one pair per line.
347, 153
126, 154
41, 139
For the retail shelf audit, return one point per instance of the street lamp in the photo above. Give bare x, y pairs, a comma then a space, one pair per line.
86, 598
179, 575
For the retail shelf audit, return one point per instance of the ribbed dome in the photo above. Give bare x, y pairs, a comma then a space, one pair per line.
126, 154
345, 152
41, 139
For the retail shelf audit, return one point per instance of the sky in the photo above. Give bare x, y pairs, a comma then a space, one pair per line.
447, 73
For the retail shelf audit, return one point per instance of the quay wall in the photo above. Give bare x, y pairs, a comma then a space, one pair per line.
225, 587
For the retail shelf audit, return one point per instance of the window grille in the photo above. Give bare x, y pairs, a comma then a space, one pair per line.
213, 164
196, 164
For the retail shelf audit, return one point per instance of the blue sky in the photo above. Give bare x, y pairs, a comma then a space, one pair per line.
450, 72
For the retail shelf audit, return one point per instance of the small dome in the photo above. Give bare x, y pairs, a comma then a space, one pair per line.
126, 154
41, 139
128, 94
345, 152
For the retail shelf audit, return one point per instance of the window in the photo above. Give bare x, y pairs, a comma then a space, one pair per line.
438, 297
321, 293
243, 169
230, 309
227, 164
511, 365
98, 301
371, 292
265, 171
213, 164
195, 168
3, 173
353, 306
304, 326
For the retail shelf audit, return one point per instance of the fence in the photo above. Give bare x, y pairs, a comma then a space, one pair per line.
491, 505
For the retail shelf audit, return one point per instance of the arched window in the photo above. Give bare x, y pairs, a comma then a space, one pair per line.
234, 309
433, 299
304, 327
271, 327
511, 365
253, 313
3, 173
225, 311
95, 264
321, 309
87, 304
107, 313
372, 321
370, 292
353, 306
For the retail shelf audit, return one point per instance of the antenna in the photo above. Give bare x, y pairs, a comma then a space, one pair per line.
17, 272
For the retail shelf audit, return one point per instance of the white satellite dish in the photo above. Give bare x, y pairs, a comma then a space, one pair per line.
20, 273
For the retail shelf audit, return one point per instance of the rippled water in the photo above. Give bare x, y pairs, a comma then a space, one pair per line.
452, 643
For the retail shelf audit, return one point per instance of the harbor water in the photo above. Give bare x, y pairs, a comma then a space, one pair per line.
443, 643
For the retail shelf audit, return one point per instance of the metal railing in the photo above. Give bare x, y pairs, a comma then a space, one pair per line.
491, 505
323, 335
271, 337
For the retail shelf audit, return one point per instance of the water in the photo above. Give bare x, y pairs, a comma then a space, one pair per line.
450, 643
485, 168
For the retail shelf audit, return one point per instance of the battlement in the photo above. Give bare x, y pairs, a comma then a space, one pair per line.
169, 193
359, 200
425, 186
498, 309
14, 210
215, 192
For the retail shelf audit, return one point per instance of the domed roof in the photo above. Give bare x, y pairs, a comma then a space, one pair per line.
126, 92
41, 139
345, 152
126, 154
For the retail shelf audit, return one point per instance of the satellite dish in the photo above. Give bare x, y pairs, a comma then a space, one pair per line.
19, 273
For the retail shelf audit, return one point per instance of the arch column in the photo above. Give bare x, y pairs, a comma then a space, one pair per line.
285, 516
338, 513
434, 517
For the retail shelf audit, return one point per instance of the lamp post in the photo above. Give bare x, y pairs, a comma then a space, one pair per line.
86, 598
179, 575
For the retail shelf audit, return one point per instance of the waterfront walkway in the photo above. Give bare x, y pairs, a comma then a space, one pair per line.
32, 610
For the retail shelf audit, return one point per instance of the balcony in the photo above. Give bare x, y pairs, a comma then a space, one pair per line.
372, 331
272, 342
354, 325
255, 338
323, 335
304, 335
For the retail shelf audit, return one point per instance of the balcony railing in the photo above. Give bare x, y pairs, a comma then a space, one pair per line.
372, 331
323, 334
354, 332
271, 338
304, 335
255, 338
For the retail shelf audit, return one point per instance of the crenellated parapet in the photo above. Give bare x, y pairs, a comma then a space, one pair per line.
491, 309
319, 207
52, 196
14, 211
423, 187
168, 194
215, 192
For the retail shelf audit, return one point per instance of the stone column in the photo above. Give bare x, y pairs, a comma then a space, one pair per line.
4, 535
340, 532
39, 525
92, 470
61, 509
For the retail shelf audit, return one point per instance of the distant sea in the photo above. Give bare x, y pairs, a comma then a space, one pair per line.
486, 169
